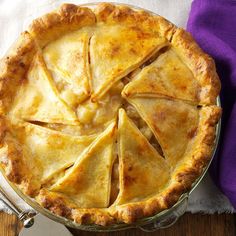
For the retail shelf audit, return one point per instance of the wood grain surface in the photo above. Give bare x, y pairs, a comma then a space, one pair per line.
188, 225
9, 225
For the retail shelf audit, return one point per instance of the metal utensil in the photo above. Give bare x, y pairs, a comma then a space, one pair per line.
26, 217
46, 227
42, 225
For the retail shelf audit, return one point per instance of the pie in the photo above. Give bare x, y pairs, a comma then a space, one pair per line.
107, 114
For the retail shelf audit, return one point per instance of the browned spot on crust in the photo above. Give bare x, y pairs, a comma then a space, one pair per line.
13, 163
192, 133
173, 195
133, 51
104, 10
140, 33
142, 147
3, 129
158, 131
186, 178
56, 205
121, 14
183, 87
115, 50
91, 216
130, 168
159, 116
128, 180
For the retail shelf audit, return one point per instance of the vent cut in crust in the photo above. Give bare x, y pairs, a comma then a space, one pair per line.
107, 114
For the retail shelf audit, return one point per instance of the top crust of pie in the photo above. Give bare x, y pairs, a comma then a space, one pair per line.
83, 115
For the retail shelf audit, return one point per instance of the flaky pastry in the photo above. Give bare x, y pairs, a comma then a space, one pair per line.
107, 114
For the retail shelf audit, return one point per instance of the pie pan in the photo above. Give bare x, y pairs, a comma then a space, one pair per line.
161, 220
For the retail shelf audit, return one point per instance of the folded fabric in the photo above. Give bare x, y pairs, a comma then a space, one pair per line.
213, 25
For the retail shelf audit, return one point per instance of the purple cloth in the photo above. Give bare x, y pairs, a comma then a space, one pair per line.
213, 25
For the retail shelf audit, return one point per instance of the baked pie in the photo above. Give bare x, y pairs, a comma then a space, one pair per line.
108, 114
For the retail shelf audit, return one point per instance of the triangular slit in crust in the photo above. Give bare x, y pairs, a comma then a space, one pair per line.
116, 50
115, 179
47, 151
67, 59
88, 182
74, 130
133, 114
38, 99
143, 172
173, 122
167, 76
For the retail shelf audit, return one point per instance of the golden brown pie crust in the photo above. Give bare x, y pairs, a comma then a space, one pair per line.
68, 18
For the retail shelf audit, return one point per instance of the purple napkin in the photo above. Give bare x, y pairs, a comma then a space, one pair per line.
213, 25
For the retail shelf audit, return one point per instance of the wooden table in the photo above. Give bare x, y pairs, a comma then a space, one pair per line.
188, 225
